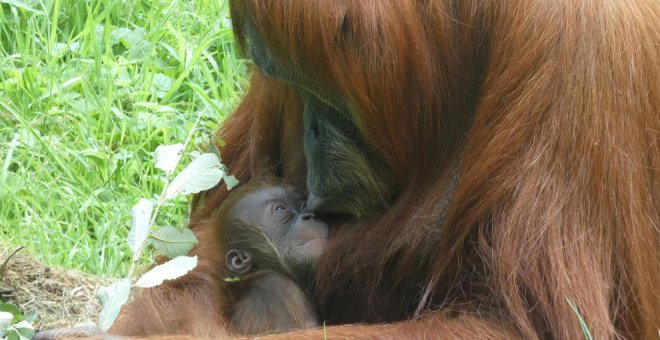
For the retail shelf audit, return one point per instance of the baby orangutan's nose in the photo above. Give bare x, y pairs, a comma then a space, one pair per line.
307, 216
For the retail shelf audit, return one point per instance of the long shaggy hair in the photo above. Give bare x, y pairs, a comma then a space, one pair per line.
524, 135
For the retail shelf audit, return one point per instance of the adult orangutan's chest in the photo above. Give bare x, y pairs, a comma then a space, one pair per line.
360, 279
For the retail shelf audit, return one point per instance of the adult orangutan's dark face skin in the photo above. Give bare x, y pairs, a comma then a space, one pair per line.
344, 175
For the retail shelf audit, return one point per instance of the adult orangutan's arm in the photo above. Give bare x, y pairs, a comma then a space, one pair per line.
432, 326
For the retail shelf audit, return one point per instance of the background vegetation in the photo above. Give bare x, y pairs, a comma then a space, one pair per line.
88, 90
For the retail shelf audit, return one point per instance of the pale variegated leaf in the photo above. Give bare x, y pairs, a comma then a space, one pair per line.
141, 213
173, 242
168, 156
5, 320
112, 298
230, 182
169, 270
203, 173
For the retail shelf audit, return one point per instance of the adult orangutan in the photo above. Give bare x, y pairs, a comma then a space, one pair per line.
490, 168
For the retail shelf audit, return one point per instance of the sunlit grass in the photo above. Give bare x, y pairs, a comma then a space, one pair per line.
88, 89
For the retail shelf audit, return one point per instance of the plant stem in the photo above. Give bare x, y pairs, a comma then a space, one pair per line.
161, 199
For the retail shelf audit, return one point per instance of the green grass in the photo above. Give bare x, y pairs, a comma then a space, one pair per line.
88, 90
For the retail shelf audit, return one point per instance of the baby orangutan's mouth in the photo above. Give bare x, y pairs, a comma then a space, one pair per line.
314, 247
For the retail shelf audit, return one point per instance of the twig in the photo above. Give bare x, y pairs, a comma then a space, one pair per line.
3, 268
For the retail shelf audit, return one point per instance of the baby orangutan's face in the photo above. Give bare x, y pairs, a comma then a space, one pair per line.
297, 235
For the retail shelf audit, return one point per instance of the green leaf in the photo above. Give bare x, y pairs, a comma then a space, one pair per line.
129, 38
161, 84
28, 6
16, 312
173, 242
141, 213
201, 174
21, 331
119, 35
139, 51
169, 270
112, 298
9, 308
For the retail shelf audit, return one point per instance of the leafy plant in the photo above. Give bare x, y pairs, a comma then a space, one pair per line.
203, 173
88, 90
14, 325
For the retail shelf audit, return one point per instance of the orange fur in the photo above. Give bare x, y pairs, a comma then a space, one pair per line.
524, 134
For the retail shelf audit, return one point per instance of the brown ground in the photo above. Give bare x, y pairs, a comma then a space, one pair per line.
61, 298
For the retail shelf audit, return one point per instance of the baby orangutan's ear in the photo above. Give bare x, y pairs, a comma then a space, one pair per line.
238, 261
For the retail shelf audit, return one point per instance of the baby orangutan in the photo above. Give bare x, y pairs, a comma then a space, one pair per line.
271, 245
